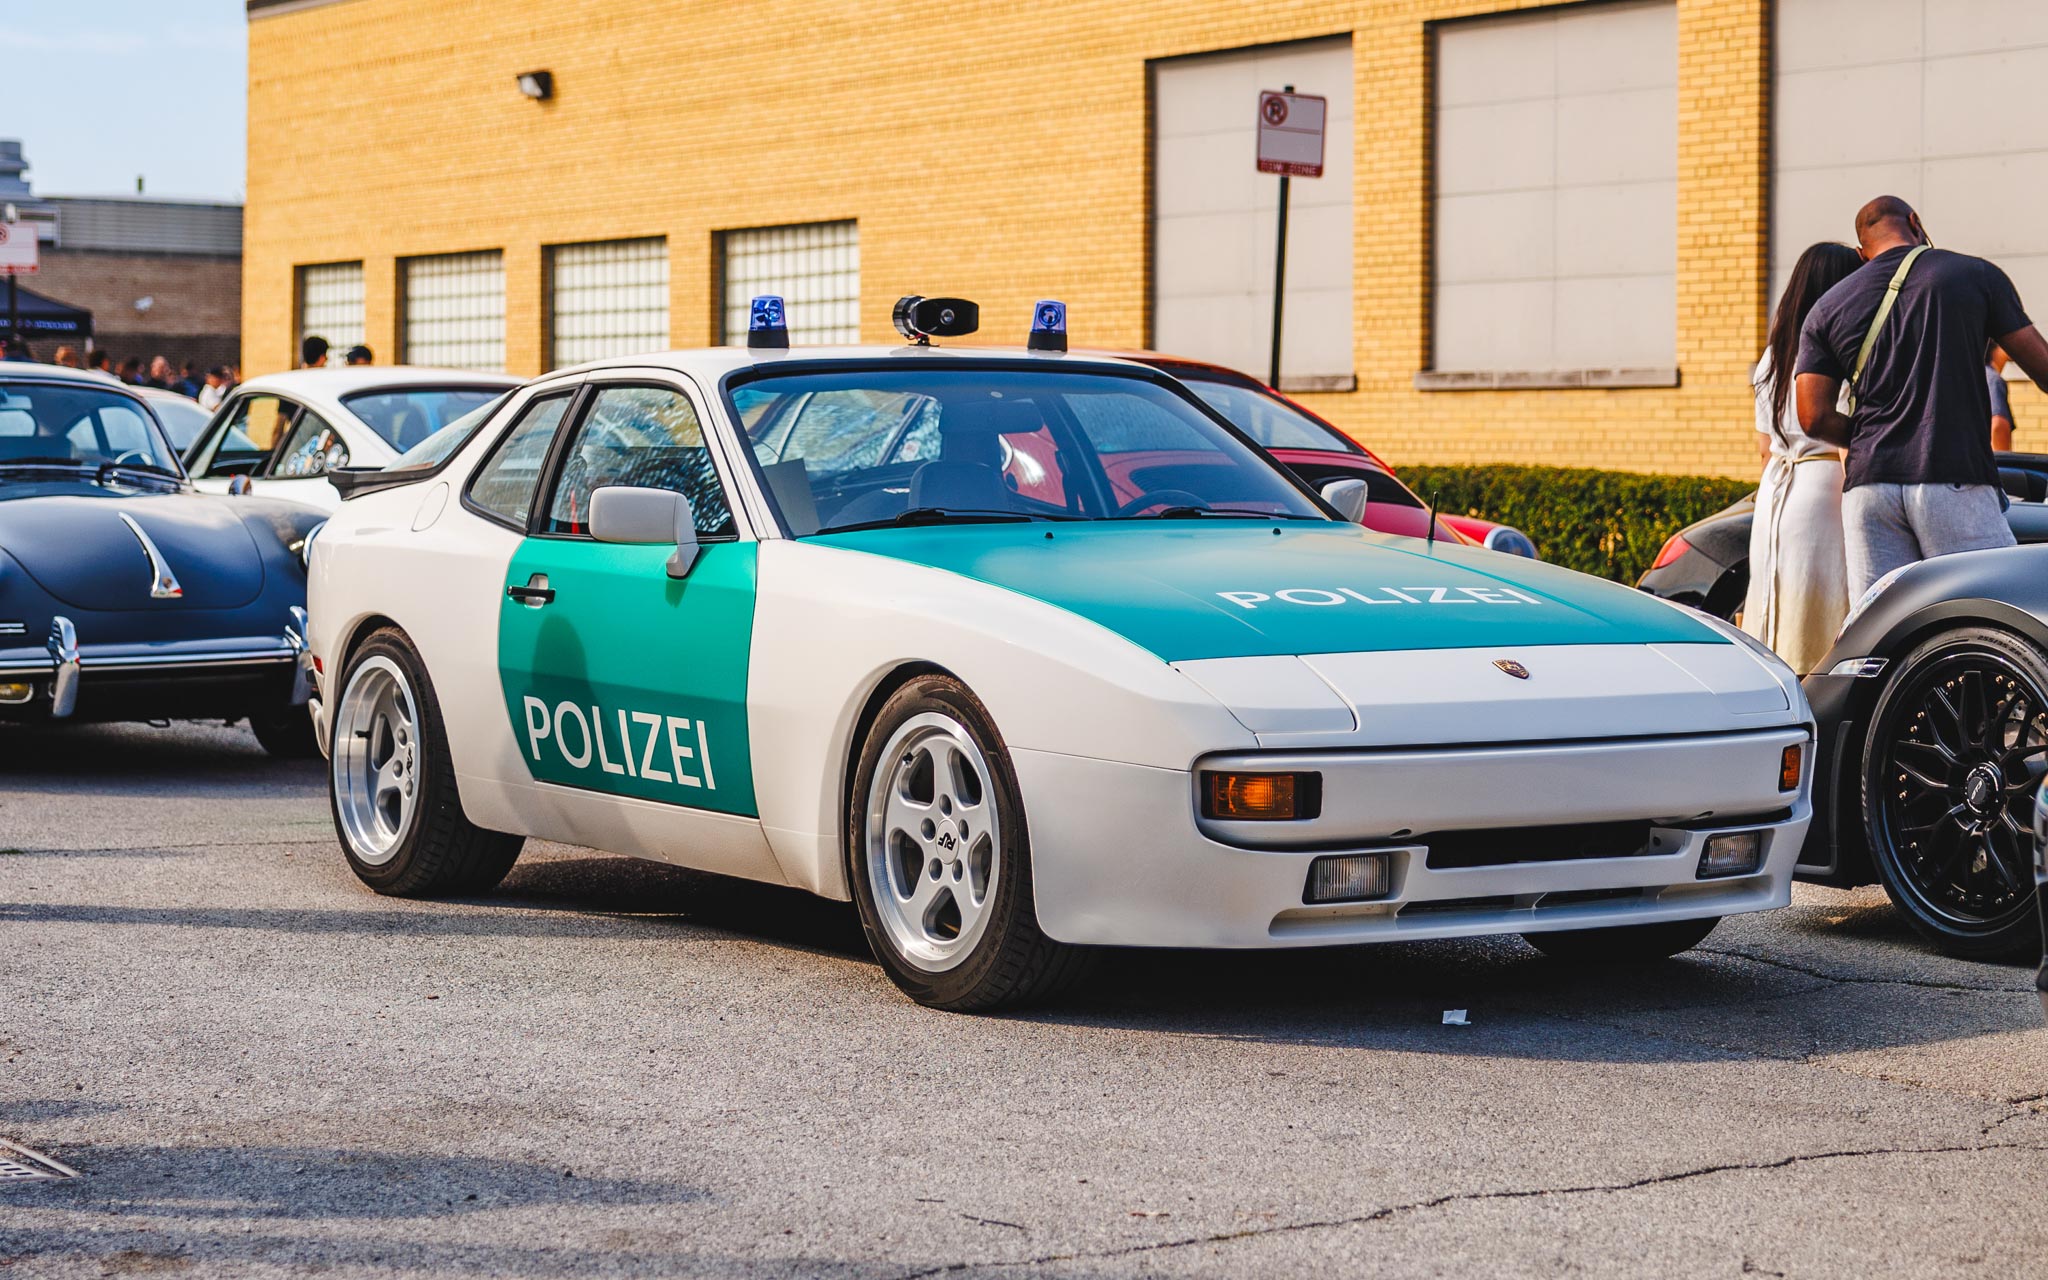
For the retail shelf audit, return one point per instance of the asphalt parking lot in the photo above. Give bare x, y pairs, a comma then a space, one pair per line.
615, 1068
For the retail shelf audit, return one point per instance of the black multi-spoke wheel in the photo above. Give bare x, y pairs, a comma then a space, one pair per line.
1957, 747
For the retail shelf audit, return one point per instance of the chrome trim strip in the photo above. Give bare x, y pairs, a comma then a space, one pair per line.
163, 584
63, 648
147, 661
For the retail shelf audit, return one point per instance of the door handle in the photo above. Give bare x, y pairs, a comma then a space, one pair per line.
532, 596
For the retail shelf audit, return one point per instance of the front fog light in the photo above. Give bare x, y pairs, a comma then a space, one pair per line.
1354, 877
16, 691
1732, 853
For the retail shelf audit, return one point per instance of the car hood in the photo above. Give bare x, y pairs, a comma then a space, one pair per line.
1192, 590
72, 540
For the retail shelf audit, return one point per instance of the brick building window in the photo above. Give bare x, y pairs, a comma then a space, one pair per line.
453, 308
1556, 217
331, 305
1213, 216
814, 266
606, 299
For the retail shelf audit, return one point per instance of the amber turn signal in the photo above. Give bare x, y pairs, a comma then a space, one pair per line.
1788, 768
1262, 797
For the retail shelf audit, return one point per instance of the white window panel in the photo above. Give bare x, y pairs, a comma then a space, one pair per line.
1556, 194
609, 299
331, 304
1933, 101
814, 267
455, 311
1215, 216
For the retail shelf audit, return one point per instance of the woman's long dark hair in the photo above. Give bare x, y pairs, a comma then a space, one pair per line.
1819, 269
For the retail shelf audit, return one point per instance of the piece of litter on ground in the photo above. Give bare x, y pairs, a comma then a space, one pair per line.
1456, 1018
1150, 1213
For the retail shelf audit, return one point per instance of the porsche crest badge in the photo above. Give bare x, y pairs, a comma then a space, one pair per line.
1513, 668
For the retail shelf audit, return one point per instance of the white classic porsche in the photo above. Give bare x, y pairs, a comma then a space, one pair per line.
1023, 652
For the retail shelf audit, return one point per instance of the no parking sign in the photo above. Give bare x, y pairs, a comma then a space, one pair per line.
1291, 133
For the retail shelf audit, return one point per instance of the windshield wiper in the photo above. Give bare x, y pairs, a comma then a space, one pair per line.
44, 464
949, 515
1219, 513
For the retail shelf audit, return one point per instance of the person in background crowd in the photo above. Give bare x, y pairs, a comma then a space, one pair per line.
313, 353
358, 354
160, 373
216, 388
100, 362
131, 371
68, 357
1907, 333
2001, 403
14, 348
188, 380
1798, 575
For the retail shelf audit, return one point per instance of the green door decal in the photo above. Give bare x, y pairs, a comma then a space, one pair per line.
629, 681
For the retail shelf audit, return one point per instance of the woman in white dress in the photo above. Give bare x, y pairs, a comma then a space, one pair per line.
1798, 579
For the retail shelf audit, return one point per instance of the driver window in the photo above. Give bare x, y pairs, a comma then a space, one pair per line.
245, 444
647, 437
313, 450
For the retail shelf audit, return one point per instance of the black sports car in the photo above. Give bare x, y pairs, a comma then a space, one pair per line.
1706, 564
2041, 889
1932, 710
125, 595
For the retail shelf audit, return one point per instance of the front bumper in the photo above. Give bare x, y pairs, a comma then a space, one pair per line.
1120, 857
70, 672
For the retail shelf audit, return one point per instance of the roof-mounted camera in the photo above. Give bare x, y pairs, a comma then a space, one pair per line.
922, 319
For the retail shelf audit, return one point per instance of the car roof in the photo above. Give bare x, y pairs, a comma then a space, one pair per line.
60, 373
713, 363
350, 379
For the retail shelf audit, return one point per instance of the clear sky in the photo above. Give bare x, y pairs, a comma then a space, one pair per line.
102, 91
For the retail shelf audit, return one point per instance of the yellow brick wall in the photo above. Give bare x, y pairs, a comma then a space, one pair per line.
994, 149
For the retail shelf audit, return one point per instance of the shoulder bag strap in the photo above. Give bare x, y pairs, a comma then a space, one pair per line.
1884, 308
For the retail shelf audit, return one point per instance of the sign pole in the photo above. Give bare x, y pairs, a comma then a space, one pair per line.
1279, 279
1291, 128
13, 310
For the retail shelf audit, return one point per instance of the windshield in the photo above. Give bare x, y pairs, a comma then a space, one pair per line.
1267, 419
183, 420
65, 423
861, 448
441, 446
405, 416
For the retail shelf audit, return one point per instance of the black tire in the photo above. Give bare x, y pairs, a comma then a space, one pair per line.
439, 851
1960, 731
1623, 943
1011, 963
287, 735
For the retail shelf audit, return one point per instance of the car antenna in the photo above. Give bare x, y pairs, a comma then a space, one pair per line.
1429, 539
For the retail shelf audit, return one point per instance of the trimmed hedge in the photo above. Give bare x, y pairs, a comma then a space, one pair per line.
1609, 523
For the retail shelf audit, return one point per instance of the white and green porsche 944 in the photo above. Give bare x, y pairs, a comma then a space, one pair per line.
1024, 653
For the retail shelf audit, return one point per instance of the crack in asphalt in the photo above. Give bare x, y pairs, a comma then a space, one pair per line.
1469, 1197
1852, 980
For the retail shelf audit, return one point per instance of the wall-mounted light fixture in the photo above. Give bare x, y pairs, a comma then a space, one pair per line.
538, 85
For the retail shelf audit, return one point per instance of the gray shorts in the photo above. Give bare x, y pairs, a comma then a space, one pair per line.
1885, 526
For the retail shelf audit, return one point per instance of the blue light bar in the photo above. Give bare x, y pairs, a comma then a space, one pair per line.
1048, 327
766, 326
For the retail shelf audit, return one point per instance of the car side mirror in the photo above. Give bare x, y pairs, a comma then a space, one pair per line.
646, 517
241, 485
1348, 497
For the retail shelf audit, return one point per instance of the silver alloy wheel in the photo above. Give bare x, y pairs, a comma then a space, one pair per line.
376, 760
933, 842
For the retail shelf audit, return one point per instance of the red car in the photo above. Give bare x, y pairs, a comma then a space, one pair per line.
1318, 452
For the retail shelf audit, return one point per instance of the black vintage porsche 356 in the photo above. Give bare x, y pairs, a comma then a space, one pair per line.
124, 594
